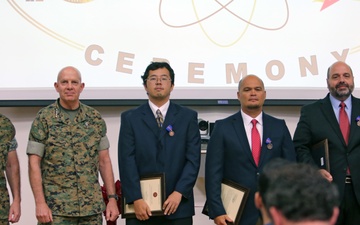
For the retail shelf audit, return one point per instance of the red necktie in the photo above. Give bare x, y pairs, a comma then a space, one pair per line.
255, 142
344, 126
344, 122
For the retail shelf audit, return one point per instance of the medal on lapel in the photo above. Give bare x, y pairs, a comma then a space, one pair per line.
269, 145
358, 121
170, 130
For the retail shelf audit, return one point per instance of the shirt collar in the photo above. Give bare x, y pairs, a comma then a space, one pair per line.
335, 102
247, 119
164, 108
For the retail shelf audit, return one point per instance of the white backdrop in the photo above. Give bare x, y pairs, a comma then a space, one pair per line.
210, 45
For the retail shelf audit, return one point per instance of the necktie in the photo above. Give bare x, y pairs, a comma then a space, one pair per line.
159, 118
344, 126
255, 142
344, 122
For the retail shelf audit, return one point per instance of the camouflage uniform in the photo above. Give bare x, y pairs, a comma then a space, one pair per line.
70, 159
7, 133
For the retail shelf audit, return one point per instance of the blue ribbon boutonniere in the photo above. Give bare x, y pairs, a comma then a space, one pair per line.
358, 120
268, 143
170, 130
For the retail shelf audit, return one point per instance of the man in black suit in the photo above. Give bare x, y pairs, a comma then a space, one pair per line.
170, 145
321, 120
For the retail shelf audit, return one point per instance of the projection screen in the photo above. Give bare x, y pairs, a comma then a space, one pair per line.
211, 45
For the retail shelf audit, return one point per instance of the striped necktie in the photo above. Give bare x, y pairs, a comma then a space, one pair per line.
159, 118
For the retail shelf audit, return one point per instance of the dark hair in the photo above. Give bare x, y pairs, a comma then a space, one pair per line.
269, 170
299, 191
155, 66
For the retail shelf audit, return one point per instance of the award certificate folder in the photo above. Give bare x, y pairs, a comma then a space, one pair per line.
233, 197
153, 193
320, 154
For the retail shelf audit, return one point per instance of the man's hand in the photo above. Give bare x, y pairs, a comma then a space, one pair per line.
222, 220
326, 175
43, 213
14, 212
112, 211
142, 210
172, 202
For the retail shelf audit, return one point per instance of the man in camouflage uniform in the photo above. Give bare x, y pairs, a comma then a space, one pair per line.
10, 164
67, 148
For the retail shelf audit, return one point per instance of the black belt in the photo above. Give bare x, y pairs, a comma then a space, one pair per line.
348, 180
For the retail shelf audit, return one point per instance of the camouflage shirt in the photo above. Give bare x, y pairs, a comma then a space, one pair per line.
70, 158
7, 133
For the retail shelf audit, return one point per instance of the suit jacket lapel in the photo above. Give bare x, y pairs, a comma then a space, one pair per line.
149, 119
267, 129
240, 132
355, 112
170, 118
329, 115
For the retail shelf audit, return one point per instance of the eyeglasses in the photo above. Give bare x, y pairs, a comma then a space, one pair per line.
161, 79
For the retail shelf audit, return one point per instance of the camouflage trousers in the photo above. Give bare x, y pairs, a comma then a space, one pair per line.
86, 220
4, 222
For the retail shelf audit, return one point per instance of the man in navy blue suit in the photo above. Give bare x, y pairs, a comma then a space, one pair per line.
160, 137
230, 150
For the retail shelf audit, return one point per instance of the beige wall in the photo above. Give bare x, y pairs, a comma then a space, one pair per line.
22, 118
